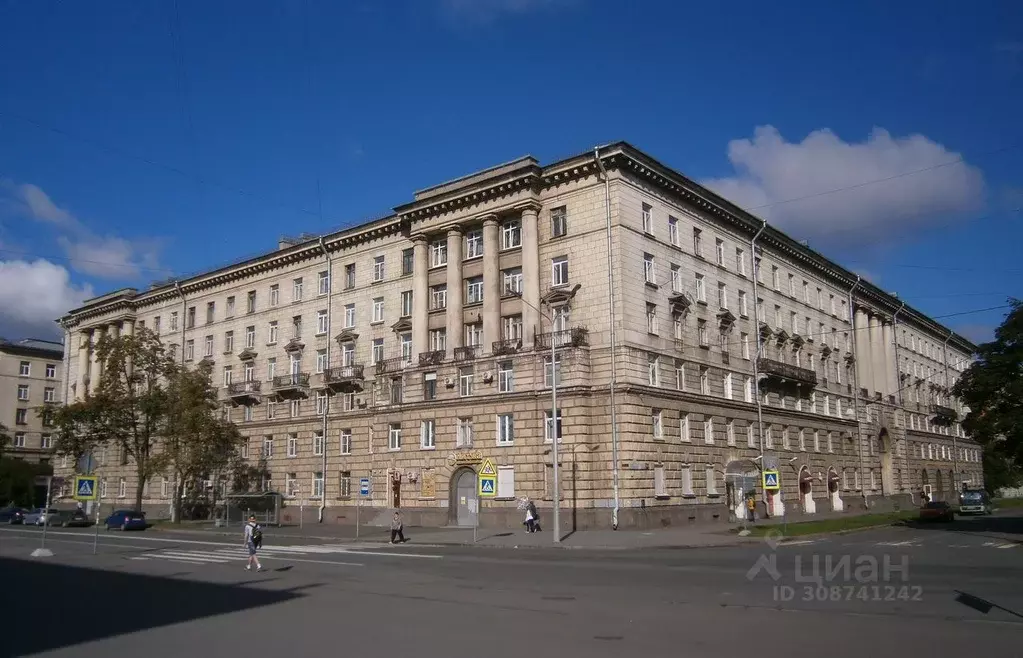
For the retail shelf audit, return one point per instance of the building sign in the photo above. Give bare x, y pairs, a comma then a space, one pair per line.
428, 486
467, 458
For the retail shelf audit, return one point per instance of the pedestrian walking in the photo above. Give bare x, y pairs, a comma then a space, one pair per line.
532, 517
253, 541
751, 508
396, 529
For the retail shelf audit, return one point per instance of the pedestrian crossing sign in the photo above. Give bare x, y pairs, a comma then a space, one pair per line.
488, 468
771, 480
85, 487
488, 486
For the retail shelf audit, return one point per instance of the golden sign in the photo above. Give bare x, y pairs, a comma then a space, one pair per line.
466, 458
428, 485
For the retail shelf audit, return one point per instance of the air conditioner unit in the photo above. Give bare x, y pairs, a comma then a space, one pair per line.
449, 382
488, 376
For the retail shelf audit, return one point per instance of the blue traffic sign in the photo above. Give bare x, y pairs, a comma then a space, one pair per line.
771, 480
488, 486
85, 487
364, 486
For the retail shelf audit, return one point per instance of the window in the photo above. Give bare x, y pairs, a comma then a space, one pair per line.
19, 440
49, 394
547, 376
792, 285
438, 339
559, 222
701, 332
250, 302
189, 350
438, 298
318, 484
323, 283
505, 377
747, 390
728, 386
722, 296
321, 323
673, 231
190, 318
680, 375
653, 370
406, 304
647, 217
229, 342
740, 261
660, 487
122, 488
465, 380
156, 324
676, 278
397, 387
651, 318
719, 247
701, 289
346, 442
831, 301
708, 430
349, 316
210, 312
291, 485
407, 261
473, 244
559, 271
698, 242
250, 336
657, 422
377, 351
25, 369
427, 434
394, 436
505, 429
511, 234
649, 269
208, 346
296, 327
769, 438
228, 375
349, 276
321, 361
463, 437
505, 482
775, 278
271, 338
751, 441
292, 445
268, 446
318, 443
513, 280
474, 290
275, 295
438, 253
686, 429
730, 430
23, 391
547, 426
712, 485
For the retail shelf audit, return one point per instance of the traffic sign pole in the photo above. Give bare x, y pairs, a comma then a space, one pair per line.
95, 532
479, 508
46, 511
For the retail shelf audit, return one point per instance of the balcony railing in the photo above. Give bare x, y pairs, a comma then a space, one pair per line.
293, 384
244, 391
787, 372
468, 353
507, 346
567, 338
395, 364
344, 376
434, 358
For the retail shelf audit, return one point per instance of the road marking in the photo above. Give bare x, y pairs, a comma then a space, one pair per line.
1006, 546
799, 543
898, 543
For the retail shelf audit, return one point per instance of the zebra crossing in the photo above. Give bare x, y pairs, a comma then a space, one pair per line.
1001, 544
229, 554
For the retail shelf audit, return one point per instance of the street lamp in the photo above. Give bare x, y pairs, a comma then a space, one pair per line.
554, 417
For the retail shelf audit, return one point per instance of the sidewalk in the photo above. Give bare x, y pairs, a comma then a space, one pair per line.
692, 537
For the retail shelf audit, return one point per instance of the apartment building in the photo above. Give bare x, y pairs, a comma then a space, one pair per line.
692, 347
31, 375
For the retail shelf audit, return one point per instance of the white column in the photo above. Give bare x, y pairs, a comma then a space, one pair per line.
530, 274
860, 336
891, 367
491, 283
420, 296
128, 328
456, 324
84, 345
96, 367
877, 353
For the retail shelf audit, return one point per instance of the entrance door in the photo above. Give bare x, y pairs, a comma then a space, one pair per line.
465, 498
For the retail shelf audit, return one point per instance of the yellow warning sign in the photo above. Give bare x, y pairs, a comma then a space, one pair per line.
488, 468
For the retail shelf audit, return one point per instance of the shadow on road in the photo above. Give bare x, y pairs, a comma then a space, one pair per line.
108, 603
987, 526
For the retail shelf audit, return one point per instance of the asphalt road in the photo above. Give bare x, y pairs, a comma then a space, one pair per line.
157, 594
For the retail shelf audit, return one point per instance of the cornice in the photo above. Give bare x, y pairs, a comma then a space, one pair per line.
421, 210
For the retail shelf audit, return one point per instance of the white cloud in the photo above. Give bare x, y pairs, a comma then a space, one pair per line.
792, 185
34, 295
101, 256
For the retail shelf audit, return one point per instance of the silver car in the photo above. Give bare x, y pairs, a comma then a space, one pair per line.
40, 515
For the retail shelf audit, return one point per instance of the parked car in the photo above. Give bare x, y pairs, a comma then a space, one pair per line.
973, 501
41, 515
13, 515
126, 519
77, 519
937, 510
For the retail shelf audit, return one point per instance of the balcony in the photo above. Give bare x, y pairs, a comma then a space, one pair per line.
507, 346
291, 386
468, 353
434, 358
567, 338
943, 416
786, 372
244, 392
396, 364
344, 378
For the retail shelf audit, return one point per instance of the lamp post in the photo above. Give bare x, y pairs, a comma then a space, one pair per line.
554, 419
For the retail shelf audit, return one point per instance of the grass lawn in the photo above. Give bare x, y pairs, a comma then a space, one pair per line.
851, 522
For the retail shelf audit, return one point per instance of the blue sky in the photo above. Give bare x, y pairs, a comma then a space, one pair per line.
140, 140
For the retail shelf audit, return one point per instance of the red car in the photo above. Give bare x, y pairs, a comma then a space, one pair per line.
937, 510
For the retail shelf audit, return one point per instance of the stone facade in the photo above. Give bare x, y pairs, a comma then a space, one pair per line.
426, 338
31, 376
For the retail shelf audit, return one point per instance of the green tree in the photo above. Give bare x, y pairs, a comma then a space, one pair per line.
129, 407
992, 388
197, 443
5, 439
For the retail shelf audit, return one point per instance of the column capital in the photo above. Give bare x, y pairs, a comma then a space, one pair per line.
454, 230
419, 238
490, 219
530, 206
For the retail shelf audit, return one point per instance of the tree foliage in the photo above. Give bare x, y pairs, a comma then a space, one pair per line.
992, 388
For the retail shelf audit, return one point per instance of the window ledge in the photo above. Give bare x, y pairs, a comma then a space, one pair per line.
662, 497
651, 284
689, 496
713, 495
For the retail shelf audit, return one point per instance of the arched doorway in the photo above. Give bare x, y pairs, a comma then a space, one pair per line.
806, 491
463, 500
834, 491
741, 478
884, 447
